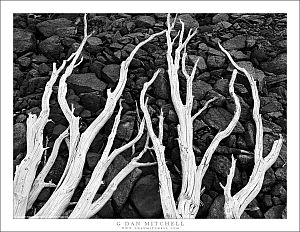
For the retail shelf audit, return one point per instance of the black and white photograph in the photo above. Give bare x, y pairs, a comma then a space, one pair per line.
141, 120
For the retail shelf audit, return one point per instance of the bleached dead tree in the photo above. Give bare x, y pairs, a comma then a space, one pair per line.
188, 203
26, 188
235, 205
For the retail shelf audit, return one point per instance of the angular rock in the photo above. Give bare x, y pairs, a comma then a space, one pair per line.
279, 191
203, 211
216, 210
201, 64
215, 61
276, 201
281, 174
238, 55
245, 113
140, 82
222, 87
36, 83
44, 194
267, 201
19, 138
44, 69
277, 66
275, 212
130, 47
257, 74
240, 143
284, 213
107, 210
48, 28
220, 17
254, 209
24, 41
145, 21
246, 161
58, 130
112, 72
92, 159
77, 107
222, 25
24, 61
94, 41
66, 31
219, 118
56, 170
124, 188
200, 88
221, 165
189, 22
18, 74
161, 86
271, 127
146, 198
259, 55
269, 104
129, 211
91, 101
96, 67
205, 28
94, 45
51, 47
125, 128
269, 178
39, 59
250, 135
86, 82
85, 114
237, 42
215, 52
283, 153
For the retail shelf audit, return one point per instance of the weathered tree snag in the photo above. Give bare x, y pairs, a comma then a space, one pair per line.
26, 189
86, 208
235, 205
189, 199
26, 171
79, 145
39, 183
165, 182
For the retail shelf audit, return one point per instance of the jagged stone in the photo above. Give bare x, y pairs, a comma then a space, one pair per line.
24, 41
86, 82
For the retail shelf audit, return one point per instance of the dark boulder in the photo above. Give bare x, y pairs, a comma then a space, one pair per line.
24, 41
145, 197
219, 118
19, 138
50, 27
121, 194
51, 47
86, 82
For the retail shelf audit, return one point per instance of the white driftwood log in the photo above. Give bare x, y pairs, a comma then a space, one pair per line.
235, 205
79, 144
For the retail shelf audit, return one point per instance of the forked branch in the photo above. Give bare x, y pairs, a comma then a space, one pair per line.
235, 205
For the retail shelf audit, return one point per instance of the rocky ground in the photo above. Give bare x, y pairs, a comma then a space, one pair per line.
256, 41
